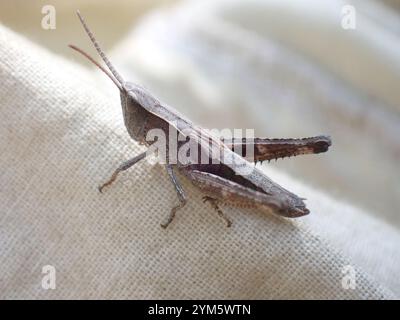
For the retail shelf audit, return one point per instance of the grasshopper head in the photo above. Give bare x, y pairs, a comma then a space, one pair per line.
135, 103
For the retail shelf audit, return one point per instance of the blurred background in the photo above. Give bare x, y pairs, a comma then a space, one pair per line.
287, 68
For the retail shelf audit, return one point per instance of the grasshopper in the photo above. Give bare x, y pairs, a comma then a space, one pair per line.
221, 182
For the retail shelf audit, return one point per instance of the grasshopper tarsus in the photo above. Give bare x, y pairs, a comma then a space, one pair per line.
101, 188
108, 182
164, 225
214, 204
124, 166
173, 213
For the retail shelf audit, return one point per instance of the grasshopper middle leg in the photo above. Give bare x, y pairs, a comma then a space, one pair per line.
179, 192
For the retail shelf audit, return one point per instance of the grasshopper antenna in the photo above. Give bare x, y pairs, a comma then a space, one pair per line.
97, 64
100, 52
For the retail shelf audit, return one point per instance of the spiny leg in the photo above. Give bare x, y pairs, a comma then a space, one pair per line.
260, 149
179, 192
124, 166
214, 204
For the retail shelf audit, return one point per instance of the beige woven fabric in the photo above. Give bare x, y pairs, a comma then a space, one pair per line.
62, 134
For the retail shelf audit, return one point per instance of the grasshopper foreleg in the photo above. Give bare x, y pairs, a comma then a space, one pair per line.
124, 166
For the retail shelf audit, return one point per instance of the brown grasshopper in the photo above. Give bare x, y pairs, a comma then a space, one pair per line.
221, 182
